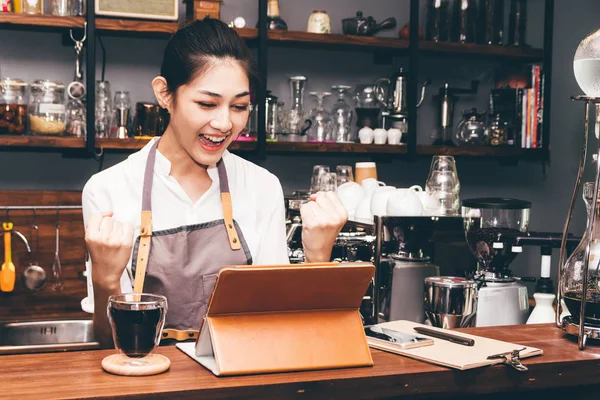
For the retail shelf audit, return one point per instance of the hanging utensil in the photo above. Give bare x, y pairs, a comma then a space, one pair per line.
76, 110
7, 272
34, 276
57, 283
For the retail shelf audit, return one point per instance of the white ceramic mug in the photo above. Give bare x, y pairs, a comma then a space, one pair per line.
366, 135
363, 211
380, 136
394, 136
350, 194
369, 185
404, 202
380, 199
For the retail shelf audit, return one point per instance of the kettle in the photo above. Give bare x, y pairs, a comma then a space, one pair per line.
391, 93
362, 26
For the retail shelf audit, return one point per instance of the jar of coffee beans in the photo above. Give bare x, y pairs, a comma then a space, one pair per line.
47, 108
13, 106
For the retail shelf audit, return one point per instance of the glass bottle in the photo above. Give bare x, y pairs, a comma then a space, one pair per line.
342, 116
572, 273
274, 21
493, 22
60, 7
464, 16
437, 21
517, 23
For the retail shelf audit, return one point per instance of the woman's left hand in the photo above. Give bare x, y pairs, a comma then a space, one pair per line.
322, 220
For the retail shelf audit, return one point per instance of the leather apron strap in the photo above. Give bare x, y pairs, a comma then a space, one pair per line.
146, 220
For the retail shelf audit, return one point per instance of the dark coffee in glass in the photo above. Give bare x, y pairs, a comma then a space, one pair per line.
137, 321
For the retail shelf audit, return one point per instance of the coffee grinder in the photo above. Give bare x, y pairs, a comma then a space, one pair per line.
490, 225
446, 99
402, 258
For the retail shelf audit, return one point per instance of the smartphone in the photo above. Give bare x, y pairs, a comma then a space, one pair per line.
400, 339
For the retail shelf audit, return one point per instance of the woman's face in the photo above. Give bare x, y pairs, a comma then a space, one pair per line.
210, 111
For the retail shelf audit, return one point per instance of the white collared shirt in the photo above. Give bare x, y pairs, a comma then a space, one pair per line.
257, 198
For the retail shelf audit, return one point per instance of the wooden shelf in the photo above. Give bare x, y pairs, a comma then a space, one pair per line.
42, 141
134, 26
40, 20
525, 53
481, 151
136, 144
322, 147
336, 41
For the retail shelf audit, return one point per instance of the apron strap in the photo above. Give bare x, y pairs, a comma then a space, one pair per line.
226, 204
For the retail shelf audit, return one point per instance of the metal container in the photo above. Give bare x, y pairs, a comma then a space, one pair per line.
450, 302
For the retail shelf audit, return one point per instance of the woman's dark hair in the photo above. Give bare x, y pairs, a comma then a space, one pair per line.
191, 48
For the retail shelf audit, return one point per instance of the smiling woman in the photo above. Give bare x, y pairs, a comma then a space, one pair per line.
192, 206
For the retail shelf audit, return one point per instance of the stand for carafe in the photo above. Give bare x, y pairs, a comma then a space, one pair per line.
583, 332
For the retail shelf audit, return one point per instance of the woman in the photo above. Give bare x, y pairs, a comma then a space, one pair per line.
194, 204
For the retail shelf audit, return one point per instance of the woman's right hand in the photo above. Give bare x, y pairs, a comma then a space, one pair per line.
110, 243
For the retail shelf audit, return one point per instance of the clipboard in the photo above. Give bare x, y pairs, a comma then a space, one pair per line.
454, 355
279, 318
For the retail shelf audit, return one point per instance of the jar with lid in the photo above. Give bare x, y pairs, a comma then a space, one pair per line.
47, 108
13, 106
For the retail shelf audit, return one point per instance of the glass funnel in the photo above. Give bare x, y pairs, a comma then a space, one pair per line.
490, 224
321, 124
342, 116
586, 66
295, 118
573, 271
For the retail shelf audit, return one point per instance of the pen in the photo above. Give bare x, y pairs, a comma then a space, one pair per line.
445, 336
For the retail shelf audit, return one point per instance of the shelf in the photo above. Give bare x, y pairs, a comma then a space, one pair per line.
514, 52
321, 147
42, 141
136, 144
135, 26
336, 41
40, 20
481, 151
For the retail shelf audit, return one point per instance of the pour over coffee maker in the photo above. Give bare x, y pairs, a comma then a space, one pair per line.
490, 225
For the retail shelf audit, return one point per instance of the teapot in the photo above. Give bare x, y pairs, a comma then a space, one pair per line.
362, 26
392, 93
472, 128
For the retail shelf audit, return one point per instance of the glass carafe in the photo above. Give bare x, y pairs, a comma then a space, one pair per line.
342, 116
295, 117
572, 273
321, 124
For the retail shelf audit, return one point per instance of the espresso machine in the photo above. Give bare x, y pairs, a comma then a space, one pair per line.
404, 250
446, 99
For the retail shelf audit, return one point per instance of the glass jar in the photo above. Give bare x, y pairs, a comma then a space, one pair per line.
60, 7
32, 6
13, 106
47, 108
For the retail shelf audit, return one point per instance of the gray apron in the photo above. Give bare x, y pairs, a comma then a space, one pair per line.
182, 263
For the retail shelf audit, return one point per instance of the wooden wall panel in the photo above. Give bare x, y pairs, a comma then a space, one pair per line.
22, 304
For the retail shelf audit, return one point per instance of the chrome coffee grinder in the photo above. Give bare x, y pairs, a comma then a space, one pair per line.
490, 225
579, 276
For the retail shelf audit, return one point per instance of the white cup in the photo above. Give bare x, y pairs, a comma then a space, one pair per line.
380, 199
430, 203
394, 136
350, 194
404, 202
363, 211
369, 185
366, 135
380, 136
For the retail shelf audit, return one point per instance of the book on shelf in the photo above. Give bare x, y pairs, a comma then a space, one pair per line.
532, 110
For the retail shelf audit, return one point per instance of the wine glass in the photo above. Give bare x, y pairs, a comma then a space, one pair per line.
342, 116
321, 128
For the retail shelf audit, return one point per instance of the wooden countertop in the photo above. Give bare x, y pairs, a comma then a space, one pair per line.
79, 375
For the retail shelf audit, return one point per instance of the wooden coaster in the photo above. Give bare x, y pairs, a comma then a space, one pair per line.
152, 364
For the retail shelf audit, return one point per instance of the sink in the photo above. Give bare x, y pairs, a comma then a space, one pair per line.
46, 336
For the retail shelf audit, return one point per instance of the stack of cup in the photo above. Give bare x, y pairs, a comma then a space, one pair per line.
443, 186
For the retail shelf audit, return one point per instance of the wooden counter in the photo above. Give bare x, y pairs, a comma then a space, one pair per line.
562, 371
